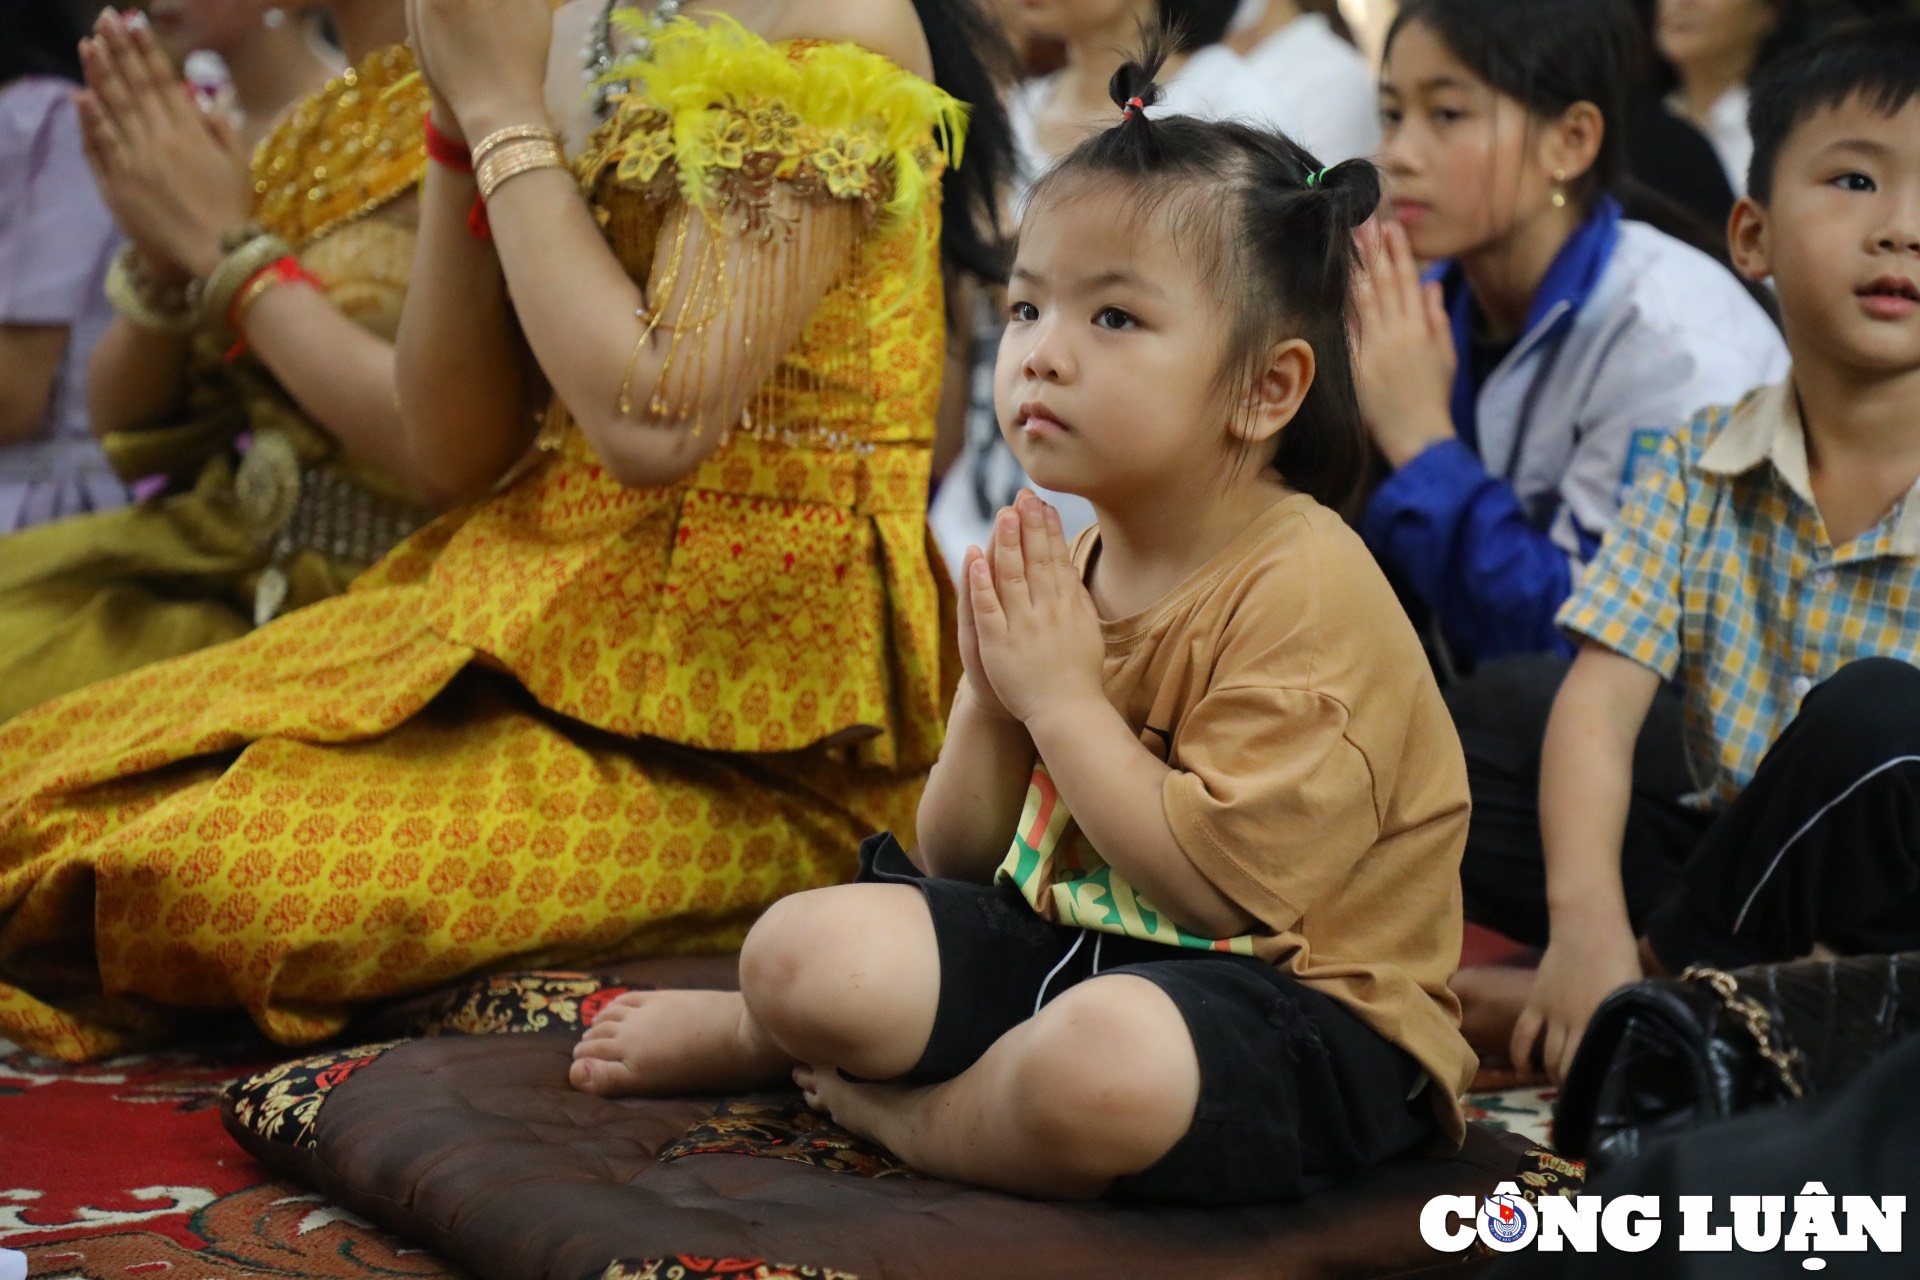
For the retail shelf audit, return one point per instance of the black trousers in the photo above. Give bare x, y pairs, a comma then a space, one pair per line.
1822, 847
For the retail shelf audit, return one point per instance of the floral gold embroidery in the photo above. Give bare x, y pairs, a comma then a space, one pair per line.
731, 140
775, 129
282, 1104
726, 119
640, 165
847, 164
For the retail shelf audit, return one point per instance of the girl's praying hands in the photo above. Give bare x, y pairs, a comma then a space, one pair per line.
175, 177
1403, 348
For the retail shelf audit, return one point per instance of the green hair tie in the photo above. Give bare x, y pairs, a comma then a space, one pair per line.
1313, 179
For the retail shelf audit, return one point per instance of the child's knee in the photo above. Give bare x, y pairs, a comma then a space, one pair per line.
818, 965
790, 943
1108, 1069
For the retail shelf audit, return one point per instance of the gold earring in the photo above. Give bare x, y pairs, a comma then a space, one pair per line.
1559, 181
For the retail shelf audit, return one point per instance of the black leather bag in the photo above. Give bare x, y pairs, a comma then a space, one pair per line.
1668, 1055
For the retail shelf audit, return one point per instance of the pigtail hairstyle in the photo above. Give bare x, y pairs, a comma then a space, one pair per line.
1284, 222
1273, 233
1135, 90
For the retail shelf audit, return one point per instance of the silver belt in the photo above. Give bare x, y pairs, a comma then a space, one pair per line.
292, 508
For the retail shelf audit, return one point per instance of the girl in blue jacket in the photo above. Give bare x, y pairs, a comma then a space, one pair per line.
1514, 389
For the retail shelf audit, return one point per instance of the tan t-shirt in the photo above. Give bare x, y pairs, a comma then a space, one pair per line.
1317, 780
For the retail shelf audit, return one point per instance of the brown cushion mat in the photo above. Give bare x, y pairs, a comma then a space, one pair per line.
476, 1147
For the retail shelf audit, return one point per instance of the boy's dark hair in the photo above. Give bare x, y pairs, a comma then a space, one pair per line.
1286, 224
1878, 62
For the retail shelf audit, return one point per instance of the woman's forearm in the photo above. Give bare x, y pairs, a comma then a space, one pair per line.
136, 378
459, 364
655, 377
575, 303
339, 373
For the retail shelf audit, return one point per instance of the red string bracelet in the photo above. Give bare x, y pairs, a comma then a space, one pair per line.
444, 149
458, 158
285, 270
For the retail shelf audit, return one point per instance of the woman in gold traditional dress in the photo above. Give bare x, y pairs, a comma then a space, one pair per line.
305, 375
690, 648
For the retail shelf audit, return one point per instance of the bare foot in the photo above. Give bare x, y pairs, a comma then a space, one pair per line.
661, 1043
900, 1118
881, 1113
1492, 998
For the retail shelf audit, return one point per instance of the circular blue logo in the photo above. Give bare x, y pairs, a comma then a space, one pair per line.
1505, 1218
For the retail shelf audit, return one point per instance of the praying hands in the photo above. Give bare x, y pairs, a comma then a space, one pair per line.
1030, 635
174, 177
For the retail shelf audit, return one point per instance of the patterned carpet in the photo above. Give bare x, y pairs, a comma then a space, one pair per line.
120, 1171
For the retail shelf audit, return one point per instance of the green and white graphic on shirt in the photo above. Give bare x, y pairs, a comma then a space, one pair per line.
1065, 880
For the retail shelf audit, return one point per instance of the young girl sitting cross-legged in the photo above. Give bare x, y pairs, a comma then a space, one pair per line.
1186, 897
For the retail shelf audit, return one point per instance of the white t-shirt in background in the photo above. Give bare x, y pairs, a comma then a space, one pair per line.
1319, 89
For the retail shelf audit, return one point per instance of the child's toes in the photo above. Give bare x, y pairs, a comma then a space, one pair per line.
592, 1046
608, 1077
811, 1081
601, 1028
608, 1018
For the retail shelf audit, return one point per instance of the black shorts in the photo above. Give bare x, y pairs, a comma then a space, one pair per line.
1295, 1092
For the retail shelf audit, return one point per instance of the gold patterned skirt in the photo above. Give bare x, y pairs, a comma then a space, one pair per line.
344, 806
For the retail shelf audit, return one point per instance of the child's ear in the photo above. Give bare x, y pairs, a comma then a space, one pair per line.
1278, 391
1573, 143
1748, 244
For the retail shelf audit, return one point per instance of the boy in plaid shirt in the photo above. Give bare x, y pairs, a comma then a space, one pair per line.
1768, 559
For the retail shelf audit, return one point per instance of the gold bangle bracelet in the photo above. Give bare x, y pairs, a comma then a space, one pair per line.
263, 280
225, 280
513, 160
511, 133
132, 297
240, 235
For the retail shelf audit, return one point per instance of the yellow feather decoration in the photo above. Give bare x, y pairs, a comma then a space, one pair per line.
859, 122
